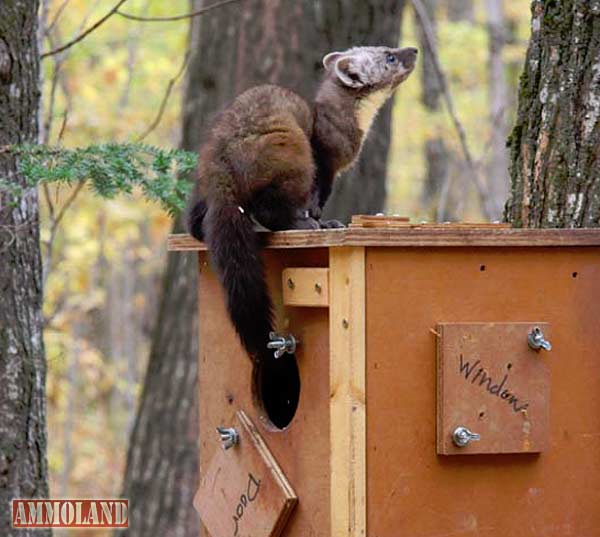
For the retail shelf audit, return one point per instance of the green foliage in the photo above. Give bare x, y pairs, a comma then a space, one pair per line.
112, 169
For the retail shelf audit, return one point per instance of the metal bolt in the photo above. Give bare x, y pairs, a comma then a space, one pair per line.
282, 344
229, 437
461, 436
537, 341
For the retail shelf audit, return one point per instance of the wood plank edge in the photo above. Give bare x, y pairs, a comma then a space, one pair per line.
414, 237
270, 461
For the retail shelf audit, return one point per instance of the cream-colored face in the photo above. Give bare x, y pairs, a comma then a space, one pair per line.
372, 69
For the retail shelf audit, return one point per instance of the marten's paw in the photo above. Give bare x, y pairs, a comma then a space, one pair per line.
306, 223
330, 224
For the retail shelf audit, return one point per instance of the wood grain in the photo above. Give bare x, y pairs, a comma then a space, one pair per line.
415, 236
225, 386
305, 287
413, 491
347, 392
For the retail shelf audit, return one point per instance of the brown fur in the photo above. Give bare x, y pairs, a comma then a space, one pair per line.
273, 157
270, 136
261, 140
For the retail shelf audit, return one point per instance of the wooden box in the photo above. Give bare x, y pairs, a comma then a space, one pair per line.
367, 452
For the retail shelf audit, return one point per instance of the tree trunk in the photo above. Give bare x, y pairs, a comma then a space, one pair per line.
497, 167
23, 466
555, 169
233, 48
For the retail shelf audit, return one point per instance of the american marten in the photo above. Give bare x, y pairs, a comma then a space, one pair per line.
271, 157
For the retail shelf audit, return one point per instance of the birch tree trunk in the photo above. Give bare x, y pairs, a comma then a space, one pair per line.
23, 466
233, 48
555, 169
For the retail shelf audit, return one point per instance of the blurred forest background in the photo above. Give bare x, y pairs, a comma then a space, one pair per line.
103, 260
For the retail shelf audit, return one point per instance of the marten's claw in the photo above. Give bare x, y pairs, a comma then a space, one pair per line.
330, 224
306, 223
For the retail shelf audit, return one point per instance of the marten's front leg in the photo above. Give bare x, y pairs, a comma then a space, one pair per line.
305, 221
315, 211
331, 224
272, 208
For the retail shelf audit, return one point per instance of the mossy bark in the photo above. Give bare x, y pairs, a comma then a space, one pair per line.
555, 169
23, 466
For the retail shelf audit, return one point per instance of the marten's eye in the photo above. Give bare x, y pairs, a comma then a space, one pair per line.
391, 59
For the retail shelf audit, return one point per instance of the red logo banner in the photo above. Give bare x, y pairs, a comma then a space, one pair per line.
28, 513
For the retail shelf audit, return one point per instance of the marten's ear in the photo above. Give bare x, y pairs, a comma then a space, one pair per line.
348, 72
330, 59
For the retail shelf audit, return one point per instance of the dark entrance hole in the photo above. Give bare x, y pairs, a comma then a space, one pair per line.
277, 388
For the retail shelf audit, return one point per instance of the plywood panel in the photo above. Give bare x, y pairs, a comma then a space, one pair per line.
412, 490
491, 382
244, 491
302, 449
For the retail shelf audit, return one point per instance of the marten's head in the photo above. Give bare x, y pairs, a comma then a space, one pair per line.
367, 76
357, 84
371, 69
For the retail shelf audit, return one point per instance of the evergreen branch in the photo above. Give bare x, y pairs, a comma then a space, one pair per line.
85, 33
197, 13
109, 169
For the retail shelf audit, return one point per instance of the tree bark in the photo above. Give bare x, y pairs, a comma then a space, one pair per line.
555, 169
497, 167
233, 48
23, 465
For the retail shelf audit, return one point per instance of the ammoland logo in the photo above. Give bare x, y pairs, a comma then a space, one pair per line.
27, 513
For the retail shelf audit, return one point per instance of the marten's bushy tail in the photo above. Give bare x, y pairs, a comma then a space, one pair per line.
195, 219
235, 249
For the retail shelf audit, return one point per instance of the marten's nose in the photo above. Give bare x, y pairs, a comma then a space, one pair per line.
408, 56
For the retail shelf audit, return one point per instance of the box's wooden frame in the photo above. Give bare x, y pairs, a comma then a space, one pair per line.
342, 279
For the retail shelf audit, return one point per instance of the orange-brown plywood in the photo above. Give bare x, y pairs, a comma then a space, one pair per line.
492, 383
243, 491
302, 450
413, 491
